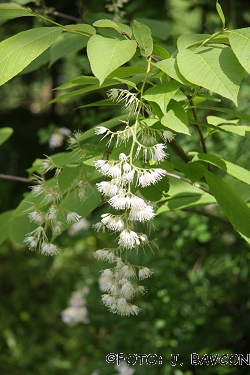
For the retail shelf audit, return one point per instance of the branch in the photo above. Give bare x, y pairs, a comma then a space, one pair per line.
16, 178
179, 151
220, 219
189, 182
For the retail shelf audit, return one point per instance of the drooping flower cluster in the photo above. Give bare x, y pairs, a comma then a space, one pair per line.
119, 188
50, 215
77, 311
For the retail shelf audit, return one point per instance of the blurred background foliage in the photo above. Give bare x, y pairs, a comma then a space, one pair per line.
198, 300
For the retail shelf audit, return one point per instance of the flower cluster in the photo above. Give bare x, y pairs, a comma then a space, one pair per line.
120, 284
50, 216
119, 188
77, 311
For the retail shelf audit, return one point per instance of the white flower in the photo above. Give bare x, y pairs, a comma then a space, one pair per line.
108, 188
157, 152
114, 171
105, 255
127, 290
49, 249
150, 177
99, 226
128, 239
142, 214
122, 201
128, 271
168, 136
113, 222
100, 130
52, 213
74, 315
31, 242
57, 228
144, 273
37, 190
102, 166
73, 217
123, 157
36, 217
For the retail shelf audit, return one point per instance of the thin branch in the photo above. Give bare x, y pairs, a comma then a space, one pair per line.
16, 178
66, 16
220, 219
189, 182
204, 147
179, 151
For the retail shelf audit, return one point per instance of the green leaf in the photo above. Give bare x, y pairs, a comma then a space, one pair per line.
5, 133
183, 195
5, 219
127, 71
228, 125
162, 94
176, 118
221, 14
19, 227
37, 63
19, 50
170, 67
9, 11
106, 54
107, 23
142, 34
234, 170
65, 45
67, 176
72, 202
233, 206
160, 29
161, 52
194, 171
213, 67
240, 43
155, 192
187, 40
241, 115
106, 83
82, 27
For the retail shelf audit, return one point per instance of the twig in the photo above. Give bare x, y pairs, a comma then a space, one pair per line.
16, 178
178, 151
66, 16
189, 182
220, 219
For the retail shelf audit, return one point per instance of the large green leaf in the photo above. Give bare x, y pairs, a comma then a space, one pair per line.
227, 125
83, 28
194, 171
160, 29
106, 54
65, 45
170, 67
231, 203
183, 195
234, 170
214, 67
142, 34
19, 50
5, 134
5, 219
176, 118
162, 94
240, 43
67, 177
9, 11
241, 115
107, 23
